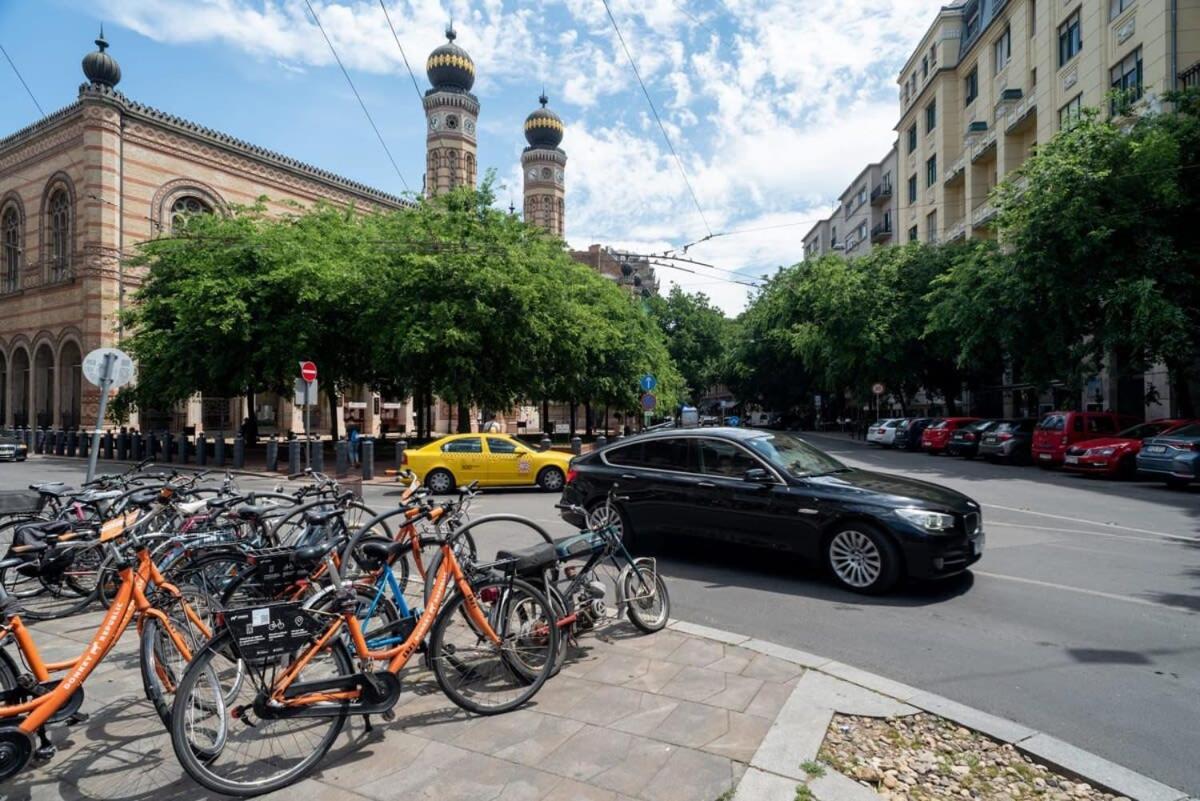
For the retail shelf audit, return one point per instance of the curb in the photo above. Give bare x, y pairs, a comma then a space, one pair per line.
757, 783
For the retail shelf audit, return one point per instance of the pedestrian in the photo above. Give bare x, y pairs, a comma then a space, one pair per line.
492, 426
354, 438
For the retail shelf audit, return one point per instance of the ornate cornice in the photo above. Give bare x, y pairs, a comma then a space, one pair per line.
532, 154
45, 123
441, 98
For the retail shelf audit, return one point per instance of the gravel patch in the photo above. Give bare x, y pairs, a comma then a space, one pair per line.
927, 758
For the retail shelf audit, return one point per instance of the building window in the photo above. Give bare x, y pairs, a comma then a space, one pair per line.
912, 138
60, 233
972, 21
833, 243
10, 232
912, 234
1127, 81
1069, 114
1070, 39
931, 116
1002, 50
1119, 6
971, 88
933, 56
185, 207
1033, 77
912, 189
1032, 18
924, 67
931, 170
931, 232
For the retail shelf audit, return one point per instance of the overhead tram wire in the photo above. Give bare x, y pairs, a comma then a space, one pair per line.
416, 86
363, 105
654, 111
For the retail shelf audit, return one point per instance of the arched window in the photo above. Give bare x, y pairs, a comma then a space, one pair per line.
10, 236
184, 207
60, 234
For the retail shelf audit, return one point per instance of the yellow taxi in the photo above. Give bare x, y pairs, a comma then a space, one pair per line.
494, 460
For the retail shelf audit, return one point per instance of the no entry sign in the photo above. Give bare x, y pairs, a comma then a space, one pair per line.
308, 371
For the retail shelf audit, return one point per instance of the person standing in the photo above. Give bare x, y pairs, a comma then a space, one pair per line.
354, 439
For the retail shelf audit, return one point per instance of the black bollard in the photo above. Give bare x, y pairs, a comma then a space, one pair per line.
201, 449
272, 454
576, 445
239, 452
149, 446
123, 445
401, 445
368, 458
341, 457
545, 442
72, 443
293, 457
85, 442
168, 446
318, 455
184, 448
135, 446
60, 443
39, 443
601, 441
107, 441
219, 450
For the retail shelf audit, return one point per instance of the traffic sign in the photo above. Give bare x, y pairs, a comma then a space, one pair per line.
649, 402
120, 372
308, 371
306, 392
877, 389
648, 383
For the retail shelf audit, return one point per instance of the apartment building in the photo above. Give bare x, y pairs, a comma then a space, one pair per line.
865, 216
992, 78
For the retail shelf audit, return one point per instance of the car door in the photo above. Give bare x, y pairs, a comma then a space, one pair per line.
669, 478
728, 507
465, 459
504, 465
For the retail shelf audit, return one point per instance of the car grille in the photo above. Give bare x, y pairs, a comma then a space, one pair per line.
971, 523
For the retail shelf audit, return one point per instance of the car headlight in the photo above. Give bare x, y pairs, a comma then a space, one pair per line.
930, 521
1101, 451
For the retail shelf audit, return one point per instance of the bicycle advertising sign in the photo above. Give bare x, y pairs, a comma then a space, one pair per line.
262, 633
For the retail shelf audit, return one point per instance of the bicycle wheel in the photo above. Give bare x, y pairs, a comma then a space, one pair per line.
649, 607
487, 677
48, 594
376, 613
227, 746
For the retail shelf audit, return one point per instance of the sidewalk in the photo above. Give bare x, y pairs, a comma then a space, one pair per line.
687, 714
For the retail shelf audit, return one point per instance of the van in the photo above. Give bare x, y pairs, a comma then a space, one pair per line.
1057, 431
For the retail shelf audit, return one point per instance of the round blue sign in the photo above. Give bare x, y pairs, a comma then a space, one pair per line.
649, 402
648, 383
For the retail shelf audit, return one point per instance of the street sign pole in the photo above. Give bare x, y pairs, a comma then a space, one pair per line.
308, 424
105, 383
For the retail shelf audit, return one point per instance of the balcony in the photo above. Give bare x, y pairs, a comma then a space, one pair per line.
1020, 115
881, 193
982, 214
982, 147
881, 231
955, 172
957, 231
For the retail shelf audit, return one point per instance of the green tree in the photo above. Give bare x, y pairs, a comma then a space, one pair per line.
697, 335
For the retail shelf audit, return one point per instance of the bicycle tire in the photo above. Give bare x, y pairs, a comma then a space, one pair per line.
636, 610
200, 762
445, 659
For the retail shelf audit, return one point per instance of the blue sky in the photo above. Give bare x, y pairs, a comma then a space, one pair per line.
772, 105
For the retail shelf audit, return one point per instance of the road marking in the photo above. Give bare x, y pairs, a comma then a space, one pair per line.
1096, 593
1179, 537
1107, 534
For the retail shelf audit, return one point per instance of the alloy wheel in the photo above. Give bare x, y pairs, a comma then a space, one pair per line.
439, 482
855, 558
552, 479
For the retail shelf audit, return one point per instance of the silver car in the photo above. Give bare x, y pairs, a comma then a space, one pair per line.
12, 450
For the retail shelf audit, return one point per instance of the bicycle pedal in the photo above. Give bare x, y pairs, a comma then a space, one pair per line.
388, 716
77, 718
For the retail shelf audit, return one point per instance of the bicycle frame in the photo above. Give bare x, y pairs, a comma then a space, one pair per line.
131, 601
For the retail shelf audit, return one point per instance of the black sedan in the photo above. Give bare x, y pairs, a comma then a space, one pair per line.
908, 433
774, 490
965, 439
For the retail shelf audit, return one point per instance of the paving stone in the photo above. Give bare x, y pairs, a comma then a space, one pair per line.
738, 693
570, 790
560, 695
531, 736
772, 668
605, 704
658, 673
741, 739
658, 645
758, 785
690, 775
834, 786
795, 736
643, 759
735, 660
769, 700
691, 724
825, 691
362, 758
652, 711
1000, 728
697, 630
531, 785
863, 678
446, 773
695, 684
794, 655
699, 653
617, 668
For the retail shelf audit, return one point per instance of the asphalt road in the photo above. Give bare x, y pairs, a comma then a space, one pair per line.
1082, 619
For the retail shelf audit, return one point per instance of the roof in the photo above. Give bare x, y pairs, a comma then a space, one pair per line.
721, 432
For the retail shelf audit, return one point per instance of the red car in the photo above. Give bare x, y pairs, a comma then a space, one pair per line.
1116, 455
935, 438
1058, 431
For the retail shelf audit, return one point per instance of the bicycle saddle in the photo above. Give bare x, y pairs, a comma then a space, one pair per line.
252, 512
317, 517
96, 496
54, 489
193, 507
374, 551
313, 553
144, 498
531, 559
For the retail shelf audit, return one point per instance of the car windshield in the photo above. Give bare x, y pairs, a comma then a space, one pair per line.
794, 456
1144, 430
1187, 431
1052, 422
940, 424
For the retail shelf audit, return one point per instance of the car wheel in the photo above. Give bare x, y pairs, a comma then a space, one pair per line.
440, 481
550, 479
862, 559
601, 513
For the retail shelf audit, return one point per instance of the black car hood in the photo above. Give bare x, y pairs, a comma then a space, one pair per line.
896, 491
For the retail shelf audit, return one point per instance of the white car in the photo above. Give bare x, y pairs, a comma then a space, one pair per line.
883, 432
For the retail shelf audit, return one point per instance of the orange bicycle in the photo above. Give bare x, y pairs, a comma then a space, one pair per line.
491, 647
170, 627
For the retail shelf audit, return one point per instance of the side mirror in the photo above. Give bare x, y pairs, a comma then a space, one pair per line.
521, 452
758, 475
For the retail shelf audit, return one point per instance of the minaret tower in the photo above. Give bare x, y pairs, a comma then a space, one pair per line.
452, 113
543, 164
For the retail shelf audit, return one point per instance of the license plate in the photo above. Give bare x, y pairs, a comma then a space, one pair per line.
1156, 449
1044, 456
977, 546
989, 440
1071, 459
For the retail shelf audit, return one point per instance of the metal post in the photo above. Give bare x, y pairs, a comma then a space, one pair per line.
82, 444
368, 458
341, 457
183, 448
168, 441
202, 449
105, 383
545, 442
123, 445
60, 443
108, 445
219, 450
307, 423
272, 454
293, 456
149, 446
135, 446
400, 447
239, 452
576, 445
317, 456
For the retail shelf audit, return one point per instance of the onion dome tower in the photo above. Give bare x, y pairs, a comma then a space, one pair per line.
451, 112
99, 67
543, 164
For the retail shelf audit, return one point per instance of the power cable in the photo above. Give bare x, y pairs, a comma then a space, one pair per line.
388, 17
657, 119
20, 78
363, 105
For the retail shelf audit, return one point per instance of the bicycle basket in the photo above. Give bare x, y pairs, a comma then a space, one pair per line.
262, 633
351, 485
276, 569
18, 502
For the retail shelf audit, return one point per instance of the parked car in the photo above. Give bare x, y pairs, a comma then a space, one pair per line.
965, 439
1057, 431
1173, 457
12, 449
908, 433
1116, 455
884, 433
774, 490
1009, 441
936, 438
491, 459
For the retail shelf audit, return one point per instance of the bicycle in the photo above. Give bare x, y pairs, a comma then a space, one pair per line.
491, 644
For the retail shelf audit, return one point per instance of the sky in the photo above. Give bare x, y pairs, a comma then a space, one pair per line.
772, 106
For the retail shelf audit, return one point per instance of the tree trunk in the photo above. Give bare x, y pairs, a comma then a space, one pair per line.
546, 429
1181, 391
587, 419
464, 418
951, 401
572, 418
251, 434
333, 424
